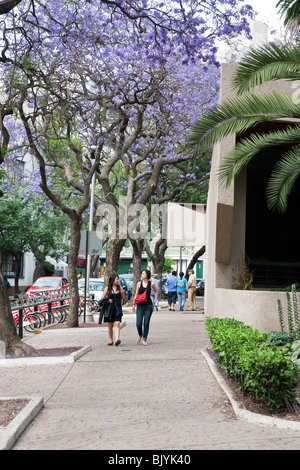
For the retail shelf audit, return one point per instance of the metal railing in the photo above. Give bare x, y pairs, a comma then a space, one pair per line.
44, 302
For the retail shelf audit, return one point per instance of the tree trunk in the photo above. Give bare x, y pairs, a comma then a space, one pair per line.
158, 264
114, 248
39, 270
94, 263
76, 222
158, 257
18, 258
194, 260
8, 334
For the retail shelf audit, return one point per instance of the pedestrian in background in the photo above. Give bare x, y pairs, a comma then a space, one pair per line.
144, 310
172, 290
115, 293
6, 282
181, 285
191, 290
156, 281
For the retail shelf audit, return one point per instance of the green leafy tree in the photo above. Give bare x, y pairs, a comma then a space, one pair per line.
168, 265
31, 226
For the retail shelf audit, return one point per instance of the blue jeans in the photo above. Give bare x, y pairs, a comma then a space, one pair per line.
153, 298
181, 298
143, 312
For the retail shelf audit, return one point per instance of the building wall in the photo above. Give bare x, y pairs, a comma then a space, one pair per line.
257, 309
225, 245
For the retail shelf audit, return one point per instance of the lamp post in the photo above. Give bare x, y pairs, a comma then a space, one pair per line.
87, 316
93, 148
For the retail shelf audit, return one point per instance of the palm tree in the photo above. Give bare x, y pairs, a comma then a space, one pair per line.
235, 116
291, 10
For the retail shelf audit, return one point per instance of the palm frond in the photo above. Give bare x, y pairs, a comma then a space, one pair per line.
251, 146
270, 62
239, 114
290, 9
282, 180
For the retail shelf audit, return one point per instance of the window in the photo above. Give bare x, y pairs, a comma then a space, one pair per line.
8, 265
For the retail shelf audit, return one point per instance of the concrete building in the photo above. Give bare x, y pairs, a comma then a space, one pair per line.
239, 228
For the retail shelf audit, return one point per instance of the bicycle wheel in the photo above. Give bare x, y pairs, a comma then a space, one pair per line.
57, 315
63, 314
50, 318
94, 304
42, 318
32, 322
65, 310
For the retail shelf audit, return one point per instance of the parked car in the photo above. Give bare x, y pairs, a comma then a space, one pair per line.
47, 283
200, 287
123, 283
128, 278
96, 287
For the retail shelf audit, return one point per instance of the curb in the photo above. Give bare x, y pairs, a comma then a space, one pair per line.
47, 329
33, 361
240, 411
10, 433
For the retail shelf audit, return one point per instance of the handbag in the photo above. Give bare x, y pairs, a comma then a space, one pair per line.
141, 298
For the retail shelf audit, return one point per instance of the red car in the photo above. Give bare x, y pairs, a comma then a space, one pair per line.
47, 283
55, 284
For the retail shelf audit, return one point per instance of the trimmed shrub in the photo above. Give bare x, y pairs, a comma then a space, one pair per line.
259, 367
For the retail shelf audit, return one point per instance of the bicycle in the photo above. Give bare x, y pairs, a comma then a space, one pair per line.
91, 304
30, 321
59, 314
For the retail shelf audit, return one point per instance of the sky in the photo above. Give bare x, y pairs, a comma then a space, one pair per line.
267, 12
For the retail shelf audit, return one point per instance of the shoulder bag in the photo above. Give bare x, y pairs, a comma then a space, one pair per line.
141, 298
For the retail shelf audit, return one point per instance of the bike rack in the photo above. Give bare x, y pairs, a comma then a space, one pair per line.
25, 301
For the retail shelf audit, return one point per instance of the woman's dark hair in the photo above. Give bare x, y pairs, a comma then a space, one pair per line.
148, 273
181, 274
111, 280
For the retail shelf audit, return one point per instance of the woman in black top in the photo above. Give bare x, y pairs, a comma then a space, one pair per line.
115, 293
144, 310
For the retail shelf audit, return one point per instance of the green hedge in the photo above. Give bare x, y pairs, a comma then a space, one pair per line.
260, 368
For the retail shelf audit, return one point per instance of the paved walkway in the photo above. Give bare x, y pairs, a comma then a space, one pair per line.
131, 397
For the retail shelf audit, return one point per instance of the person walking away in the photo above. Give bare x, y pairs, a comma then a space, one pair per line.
144, 310
6, 282
172, 290
155, 281
115, 293
191, 290
181, 285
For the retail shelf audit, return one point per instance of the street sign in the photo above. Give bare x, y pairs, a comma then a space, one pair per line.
94, 244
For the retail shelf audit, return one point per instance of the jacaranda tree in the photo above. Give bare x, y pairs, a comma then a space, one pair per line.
88, 75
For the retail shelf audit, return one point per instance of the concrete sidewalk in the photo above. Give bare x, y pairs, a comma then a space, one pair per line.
131, 397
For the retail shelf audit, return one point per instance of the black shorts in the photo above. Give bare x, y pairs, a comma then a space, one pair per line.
172, 297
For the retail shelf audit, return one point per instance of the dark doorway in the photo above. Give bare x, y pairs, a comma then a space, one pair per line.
272, 239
